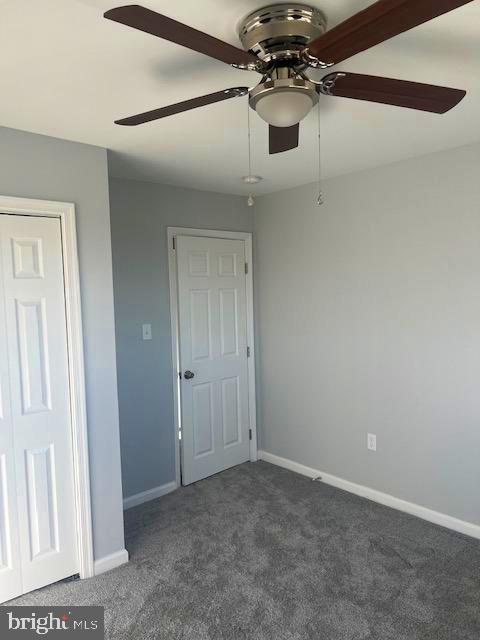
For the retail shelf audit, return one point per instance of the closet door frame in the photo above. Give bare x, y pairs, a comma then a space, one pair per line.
65, 213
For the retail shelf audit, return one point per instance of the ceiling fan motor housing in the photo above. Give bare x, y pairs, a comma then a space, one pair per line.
279, 32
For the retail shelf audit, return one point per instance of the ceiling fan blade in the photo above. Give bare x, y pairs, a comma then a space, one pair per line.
282, 139
158, 25
412, 95
377, 23
172, 109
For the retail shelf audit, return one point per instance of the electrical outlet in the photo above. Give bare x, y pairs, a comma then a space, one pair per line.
147, 332
372, 442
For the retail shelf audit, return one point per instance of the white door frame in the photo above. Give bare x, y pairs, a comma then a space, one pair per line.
172, 232
65, 212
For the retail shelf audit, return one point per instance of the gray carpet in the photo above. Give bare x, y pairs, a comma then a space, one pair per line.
261, 553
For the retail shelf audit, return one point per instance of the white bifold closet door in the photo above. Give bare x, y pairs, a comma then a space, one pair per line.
37, 502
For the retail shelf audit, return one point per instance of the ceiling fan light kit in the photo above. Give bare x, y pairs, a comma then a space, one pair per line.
281, 41
284, 99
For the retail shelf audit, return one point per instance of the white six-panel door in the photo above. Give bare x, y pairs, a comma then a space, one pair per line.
213, 347
37, 505
10, 563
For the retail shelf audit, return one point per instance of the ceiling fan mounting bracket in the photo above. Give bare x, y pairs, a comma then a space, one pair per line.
278, 33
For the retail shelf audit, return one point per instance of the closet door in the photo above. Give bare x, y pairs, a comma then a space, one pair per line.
10, 567
34, 302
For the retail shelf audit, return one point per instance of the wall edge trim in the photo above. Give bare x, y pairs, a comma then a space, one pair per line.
112, 561
150, 494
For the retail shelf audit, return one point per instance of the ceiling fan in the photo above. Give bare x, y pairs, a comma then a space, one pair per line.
282, 41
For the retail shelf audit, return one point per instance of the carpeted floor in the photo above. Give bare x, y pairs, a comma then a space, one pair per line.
261, 553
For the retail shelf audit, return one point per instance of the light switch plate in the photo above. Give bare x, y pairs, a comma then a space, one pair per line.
147, 332
372, 442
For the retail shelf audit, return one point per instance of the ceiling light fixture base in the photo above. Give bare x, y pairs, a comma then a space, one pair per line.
252, 179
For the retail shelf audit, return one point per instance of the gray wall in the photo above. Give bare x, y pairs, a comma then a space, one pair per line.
34, 166
140, 215
368, 317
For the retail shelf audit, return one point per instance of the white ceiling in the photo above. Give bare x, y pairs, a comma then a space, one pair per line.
67, 72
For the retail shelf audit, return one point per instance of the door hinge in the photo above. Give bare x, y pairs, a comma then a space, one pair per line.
248, 352
246, 267
249, 434
174, 243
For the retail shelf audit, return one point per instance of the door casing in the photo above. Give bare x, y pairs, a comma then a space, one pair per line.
65, 212
172, 233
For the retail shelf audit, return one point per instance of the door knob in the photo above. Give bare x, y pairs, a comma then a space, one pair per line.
188, 375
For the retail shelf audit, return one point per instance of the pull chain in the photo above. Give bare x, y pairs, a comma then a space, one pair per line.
320, 198
250, 201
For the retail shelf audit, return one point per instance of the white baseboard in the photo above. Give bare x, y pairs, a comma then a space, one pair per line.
151, 494
110, 562
468, 528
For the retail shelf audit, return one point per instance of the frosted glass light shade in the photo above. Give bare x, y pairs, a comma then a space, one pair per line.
284, 108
